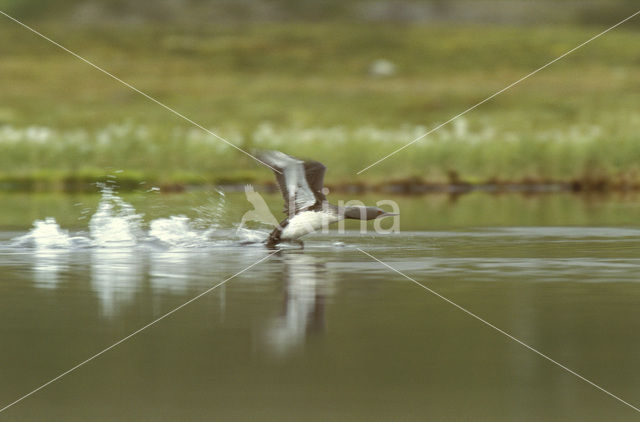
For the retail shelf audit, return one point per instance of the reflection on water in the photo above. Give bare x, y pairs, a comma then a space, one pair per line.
327, 328
169, 270
303, 306
48, 264
116, 276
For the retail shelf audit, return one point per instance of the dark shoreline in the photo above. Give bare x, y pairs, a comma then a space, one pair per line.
402, 188
397, 187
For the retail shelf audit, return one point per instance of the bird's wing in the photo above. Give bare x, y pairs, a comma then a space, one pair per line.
293, 184
314, 173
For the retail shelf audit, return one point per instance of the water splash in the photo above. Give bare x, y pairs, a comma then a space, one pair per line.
45, 234
177, 231
211, 216
247, 236
51, 253
115, 222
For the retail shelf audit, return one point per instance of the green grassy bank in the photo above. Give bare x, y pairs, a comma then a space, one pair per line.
308, 90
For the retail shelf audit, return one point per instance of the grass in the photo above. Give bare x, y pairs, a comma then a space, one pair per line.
307, 90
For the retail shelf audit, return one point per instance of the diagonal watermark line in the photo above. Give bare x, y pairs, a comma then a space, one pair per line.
500, 331
139, 330
499, 92
128, 85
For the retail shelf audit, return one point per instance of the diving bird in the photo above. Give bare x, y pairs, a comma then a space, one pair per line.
307, 209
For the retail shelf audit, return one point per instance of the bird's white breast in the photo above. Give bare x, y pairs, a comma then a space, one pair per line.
307, 222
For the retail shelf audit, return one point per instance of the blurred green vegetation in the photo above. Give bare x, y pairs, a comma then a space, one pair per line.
126, 12
308, 89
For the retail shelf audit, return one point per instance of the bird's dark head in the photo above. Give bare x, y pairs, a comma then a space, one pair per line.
366, 213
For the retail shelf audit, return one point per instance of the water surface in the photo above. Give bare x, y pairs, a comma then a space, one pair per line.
323, 333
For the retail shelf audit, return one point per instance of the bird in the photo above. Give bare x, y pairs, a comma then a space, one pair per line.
305, 204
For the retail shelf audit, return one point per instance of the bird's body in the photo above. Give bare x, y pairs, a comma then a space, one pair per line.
307, 222
301, 184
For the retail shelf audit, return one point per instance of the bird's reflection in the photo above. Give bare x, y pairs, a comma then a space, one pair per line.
303, 309
116, 276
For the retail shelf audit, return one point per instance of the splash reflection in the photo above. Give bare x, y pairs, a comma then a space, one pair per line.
116, 276
170, 270
48, 264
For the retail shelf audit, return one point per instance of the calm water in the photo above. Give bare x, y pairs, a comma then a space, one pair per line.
325, 333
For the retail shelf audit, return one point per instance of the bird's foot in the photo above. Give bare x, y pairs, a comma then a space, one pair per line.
271, 243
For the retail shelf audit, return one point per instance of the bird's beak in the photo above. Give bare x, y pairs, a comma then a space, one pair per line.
388, 214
